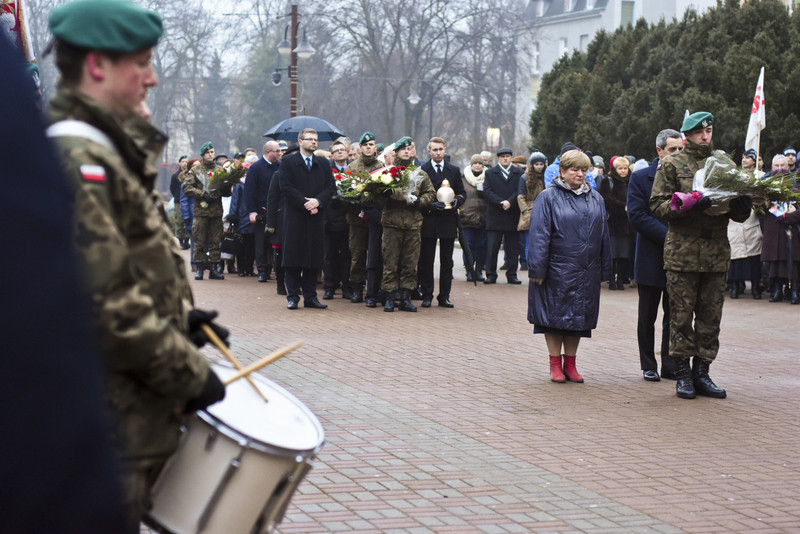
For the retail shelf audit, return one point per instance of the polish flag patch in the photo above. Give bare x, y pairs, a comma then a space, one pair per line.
93, 173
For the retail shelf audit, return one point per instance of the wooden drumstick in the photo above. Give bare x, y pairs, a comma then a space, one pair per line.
231, 358
261, 363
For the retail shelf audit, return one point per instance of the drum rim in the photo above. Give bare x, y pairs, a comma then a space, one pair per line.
244, 439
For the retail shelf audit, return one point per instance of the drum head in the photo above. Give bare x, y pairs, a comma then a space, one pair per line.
283, 422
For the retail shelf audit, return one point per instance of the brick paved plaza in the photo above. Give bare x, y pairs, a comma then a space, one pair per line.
446, 421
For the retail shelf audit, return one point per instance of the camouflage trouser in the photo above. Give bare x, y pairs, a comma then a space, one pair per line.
358, 254
400, 256
206, 231
178, 228
137, 483
695, 297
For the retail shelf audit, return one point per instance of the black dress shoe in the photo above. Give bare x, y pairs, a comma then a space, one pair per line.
445, 303
426, 302
490, 280
651, 376
514, 280
371, 302
262, 277
328, 295
292, 305
314, 303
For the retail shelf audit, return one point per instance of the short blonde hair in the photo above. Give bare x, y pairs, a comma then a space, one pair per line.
621, 161
574, 159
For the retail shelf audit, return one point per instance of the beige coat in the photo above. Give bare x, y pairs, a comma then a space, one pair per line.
745, 238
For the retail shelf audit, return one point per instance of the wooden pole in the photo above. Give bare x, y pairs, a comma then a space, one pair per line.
230, 357
261, 363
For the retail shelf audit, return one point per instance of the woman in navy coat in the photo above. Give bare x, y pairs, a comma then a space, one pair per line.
569, 254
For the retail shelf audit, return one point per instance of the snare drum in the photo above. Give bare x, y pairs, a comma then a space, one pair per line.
238, 463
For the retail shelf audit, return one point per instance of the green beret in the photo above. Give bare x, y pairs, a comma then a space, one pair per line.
402, 143
206, 147
112, 25
380, 147
366, 137
182, 158
701, 119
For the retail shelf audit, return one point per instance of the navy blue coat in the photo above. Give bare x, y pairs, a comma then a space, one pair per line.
568, 246
651, 232
496, 189
238, 213
256, 186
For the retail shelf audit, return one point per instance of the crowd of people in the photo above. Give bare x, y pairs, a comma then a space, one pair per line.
387, 245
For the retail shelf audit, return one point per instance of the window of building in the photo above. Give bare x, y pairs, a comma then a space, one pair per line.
535, 57
590, 4
626, 12
540, 8
584, 42
562, 46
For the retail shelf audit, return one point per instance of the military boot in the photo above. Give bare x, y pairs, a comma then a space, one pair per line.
684, 388
703, 383
215, 272
198, 274
405, 301
358, 294
775, 290
795, 293
388, 303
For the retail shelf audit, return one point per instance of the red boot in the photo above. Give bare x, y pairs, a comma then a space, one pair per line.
570, 371
556, 374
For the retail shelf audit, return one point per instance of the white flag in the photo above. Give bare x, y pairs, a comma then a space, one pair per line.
758, 117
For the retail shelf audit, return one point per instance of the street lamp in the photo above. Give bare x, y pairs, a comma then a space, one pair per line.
415, 99
289, 47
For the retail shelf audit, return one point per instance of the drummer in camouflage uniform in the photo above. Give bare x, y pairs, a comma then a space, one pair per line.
207, 191
147, 329
402, 221
696, 258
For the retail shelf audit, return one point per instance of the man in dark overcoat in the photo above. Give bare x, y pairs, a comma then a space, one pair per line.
648, 267
256, 191
307, 185
439, 222
500, 189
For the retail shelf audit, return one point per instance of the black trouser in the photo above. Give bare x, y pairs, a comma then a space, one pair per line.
246, 255
649, 297
493, 239
427, 255
263, 248
298, 278
336, 266
374, 259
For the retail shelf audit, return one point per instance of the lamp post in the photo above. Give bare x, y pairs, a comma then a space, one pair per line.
291, 49
415, 99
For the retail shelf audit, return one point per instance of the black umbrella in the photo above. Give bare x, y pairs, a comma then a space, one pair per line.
288, 129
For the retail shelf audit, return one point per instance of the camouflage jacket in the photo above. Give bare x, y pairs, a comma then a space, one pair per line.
402, 215
134, 273
697, 241
198, 182
366, 166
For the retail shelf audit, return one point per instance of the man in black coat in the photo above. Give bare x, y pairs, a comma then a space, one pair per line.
307, 185
500, 189
648, 267
440, 222
336, 270
256, 192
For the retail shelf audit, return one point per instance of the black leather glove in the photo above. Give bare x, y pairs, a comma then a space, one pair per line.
197, 318
703, 204
213, 392
742, 204
206, 197
262, 215
438, 206
457, 201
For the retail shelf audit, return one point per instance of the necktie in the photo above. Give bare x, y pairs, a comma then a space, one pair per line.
438, 168
308, 162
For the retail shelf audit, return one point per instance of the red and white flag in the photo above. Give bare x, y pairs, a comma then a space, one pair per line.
758, 116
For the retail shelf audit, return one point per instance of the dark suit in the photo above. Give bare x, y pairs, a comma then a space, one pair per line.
303, 238
256, 192
649, 269
502, 223
441, 225
336, 269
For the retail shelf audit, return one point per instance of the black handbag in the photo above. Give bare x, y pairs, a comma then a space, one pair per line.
231, 244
